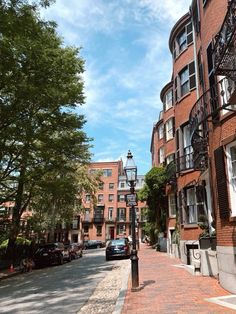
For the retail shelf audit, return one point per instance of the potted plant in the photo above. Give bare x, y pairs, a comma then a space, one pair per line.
206, 239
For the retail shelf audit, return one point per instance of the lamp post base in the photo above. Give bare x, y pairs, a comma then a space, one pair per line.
134, 270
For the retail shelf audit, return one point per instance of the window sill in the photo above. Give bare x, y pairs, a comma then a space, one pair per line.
190, 226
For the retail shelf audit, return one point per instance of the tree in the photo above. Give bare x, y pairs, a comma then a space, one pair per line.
153, 193
59, 199
40, 87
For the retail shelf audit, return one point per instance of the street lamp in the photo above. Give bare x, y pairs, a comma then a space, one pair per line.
131, 178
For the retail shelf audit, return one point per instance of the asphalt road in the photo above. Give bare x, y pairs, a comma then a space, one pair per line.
57, 289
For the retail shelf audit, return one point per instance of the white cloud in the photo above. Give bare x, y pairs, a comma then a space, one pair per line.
125, 45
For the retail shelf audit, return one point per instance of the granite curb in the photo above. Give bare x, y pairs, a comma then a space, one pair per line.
121, 297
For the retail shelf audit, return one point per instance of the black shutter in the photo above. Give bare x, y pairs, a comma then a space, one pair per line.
180, 207
221, 182
176, 88
173, 125
189, 31
192, 79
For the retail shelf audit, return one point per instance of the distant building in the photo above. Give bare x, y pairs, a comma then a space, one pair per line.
111, 218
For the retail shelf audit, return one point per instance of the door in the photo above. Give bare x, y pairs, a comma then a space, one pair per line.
112, 233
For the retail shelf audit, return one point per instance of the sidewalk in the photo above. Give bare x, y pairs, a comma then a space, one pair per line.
166, 287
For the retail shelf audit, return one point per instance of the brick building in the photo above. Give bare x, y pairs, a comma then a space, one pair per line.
196, 138
111, 218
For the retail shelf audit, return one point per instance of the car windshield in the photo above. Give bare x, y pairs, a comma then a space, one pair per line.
117, 242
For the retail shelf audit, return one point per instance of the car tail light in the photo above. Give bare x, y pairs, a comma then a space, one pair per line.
126, 247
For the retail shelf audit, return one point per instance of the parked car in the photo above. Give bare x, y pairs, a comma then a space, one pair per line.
93, 244
49, 254
76, 250
117, 248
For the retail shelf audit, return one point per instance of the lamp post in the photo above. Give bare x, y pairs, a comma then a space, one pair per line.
131, 178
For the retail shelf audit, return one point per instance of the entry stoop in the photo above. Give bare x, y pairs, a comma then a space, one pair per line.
194, 269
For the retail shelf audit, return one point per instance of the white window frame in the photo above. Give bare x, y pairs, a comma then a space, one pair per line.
169, 129
172, 205
100, 198
110, 213
187, 148
170, 158
121, 229
161, 154
111, 197
191, 206
231, 177
161, 131
184, 81
168, 100
121, 214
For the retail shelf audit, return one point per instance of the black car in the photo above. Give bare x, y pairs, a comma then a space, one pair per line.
49, 254
117, 248
93, 244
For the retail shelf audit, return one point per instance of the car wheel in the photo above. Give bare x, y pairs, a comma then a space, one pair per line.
60, 260
107, 258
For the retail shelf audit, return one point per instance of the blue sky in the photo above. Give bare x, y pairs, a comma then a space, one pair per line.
127, 62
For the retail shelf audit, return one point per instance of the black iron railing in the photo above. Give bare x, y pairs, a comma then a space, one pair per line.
184, 162
207, 108
224, 48
98, 219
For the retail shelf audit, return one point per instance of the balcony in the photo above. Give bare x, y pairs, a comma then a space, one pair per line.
185, 162
224, 51
110, 220
98, 219
171, 173
207, 109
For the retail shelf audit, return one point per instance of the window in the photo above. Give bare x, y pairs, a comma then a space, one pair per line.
87, 198
101, 186
231, 167
122, 184
168, 100
111, 186
111, 197
170, 158
121, 198
191, 208
172, 205
100, 198
121, 229
121, 214
169, 129
99, 231
227, 87
161, 131
184, 81
182, 40
86, 215
75, 223
107, 172
110, 213
188, 150
161, 155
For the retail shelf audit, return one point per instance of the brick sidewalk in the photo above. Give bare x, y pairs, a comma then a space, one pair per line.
166, 288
